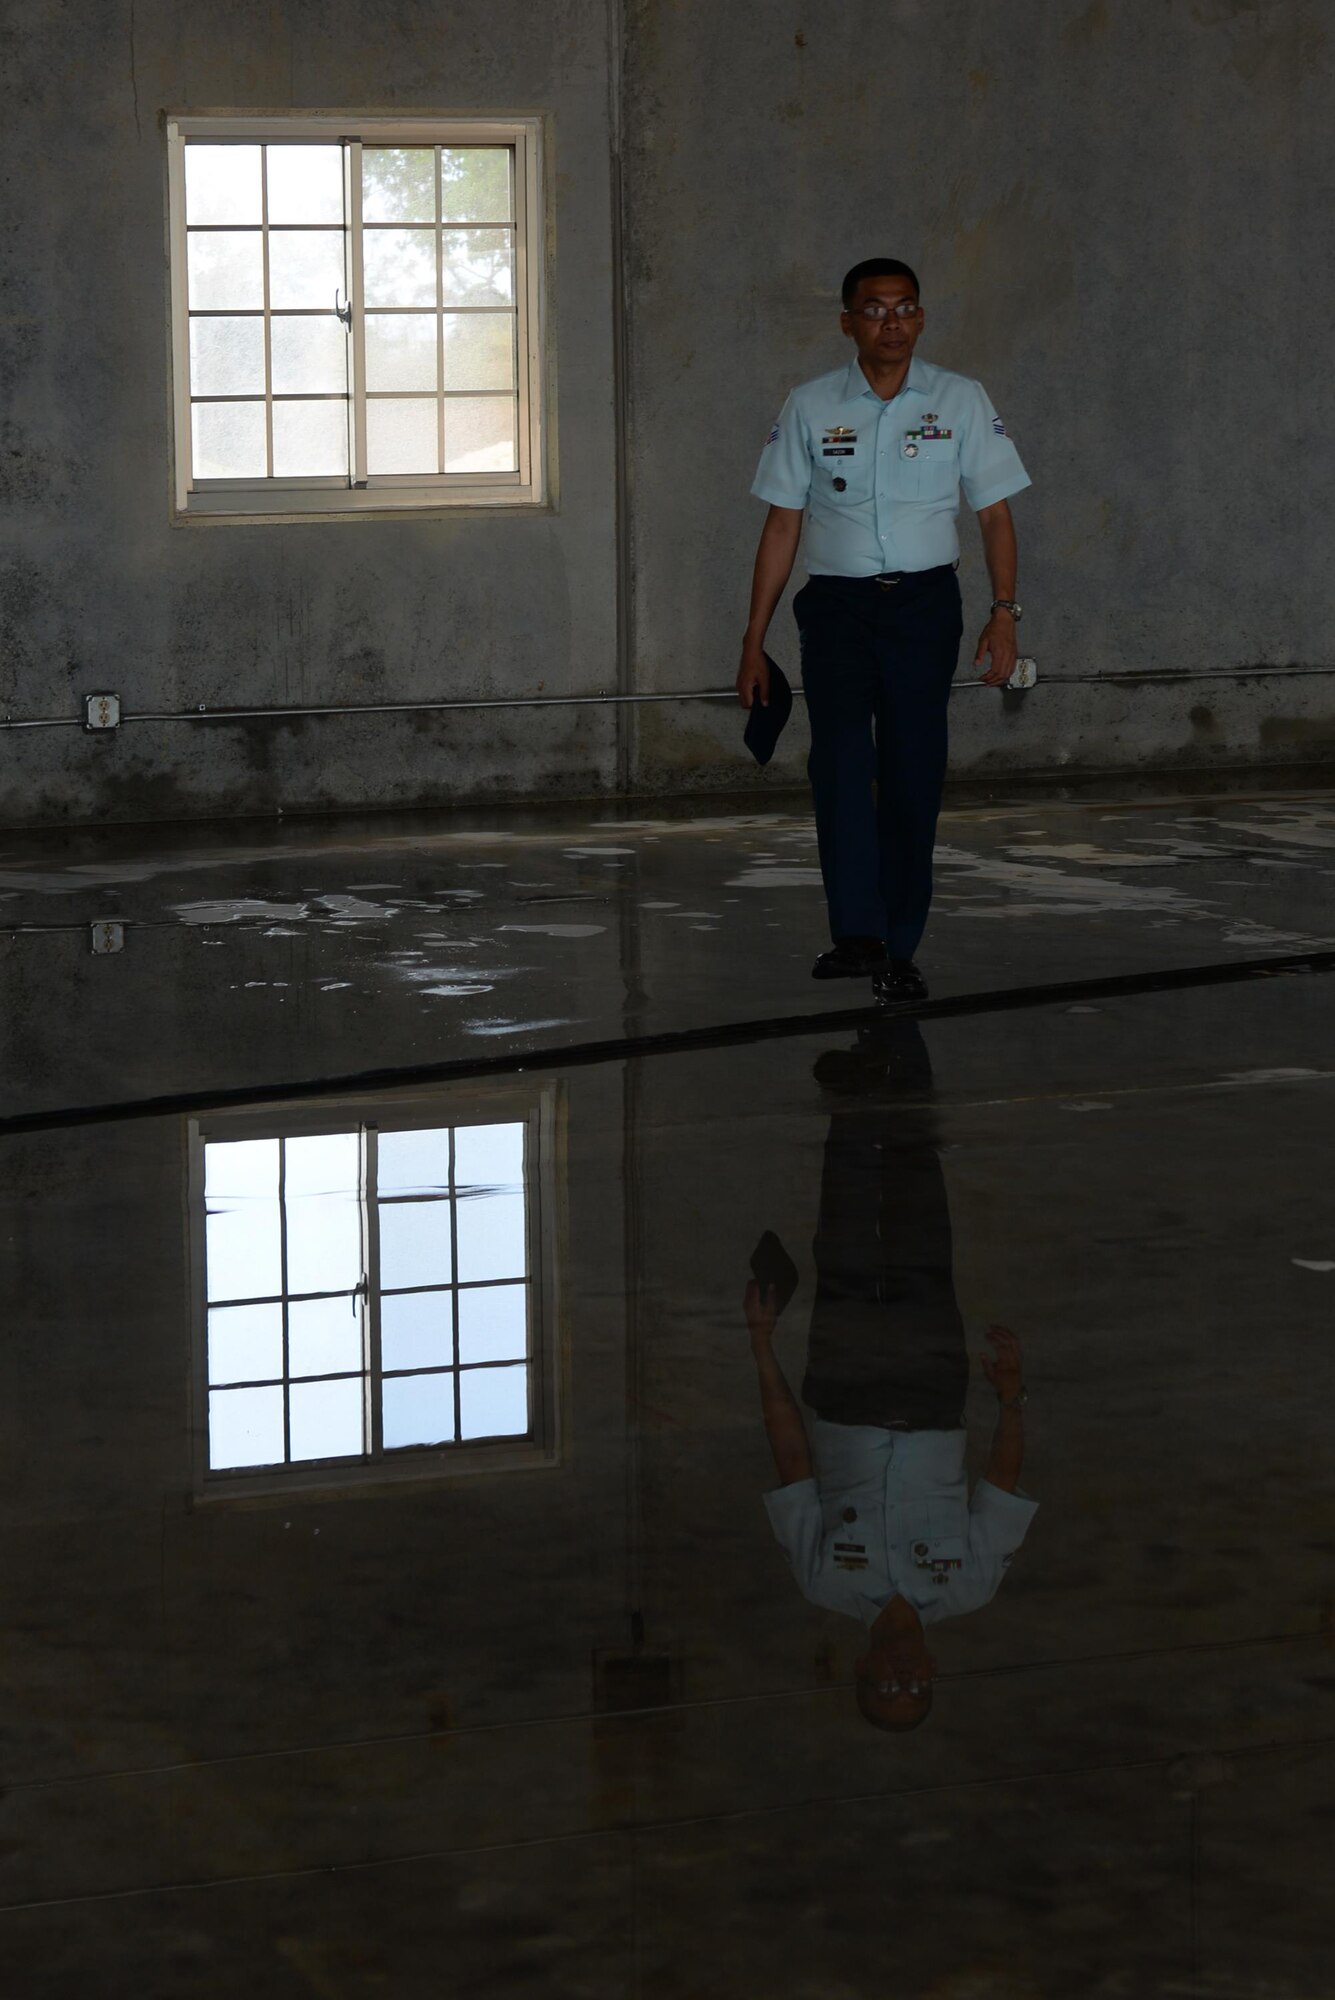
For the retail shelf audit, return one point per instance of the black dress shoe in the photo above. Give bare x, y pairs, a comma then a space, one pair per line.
852, 958
900, 981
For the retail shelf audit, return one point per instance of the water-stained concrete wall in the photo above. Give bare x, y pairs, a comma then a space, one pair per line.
1118, 215
1118, 212
99, 590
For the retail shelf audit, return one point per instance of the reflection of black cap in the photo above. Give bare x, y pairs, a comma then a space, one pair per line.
764, 726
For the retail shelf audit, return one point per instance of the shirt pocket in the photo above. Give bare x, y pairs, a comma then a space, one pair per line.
934, 1534
845, 480
938, 468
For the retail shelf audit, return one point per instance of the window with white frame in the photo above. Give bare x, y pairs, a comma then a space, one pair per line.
371, 1300
356, 314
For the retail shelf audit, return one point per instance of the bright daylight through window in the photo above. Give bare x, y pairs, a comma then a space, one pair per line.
355, 318
367, 1293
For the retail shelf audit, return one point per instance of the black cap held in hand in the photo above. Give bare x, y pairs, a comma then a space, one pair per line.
765, 723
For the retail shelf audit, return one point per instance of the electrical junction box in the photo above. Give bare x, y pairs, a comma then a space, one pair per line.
101, 711
106, 937
1026, 673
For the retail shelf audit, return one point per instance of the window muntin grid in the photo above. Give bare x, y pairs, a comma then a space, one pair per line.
421, 1339
431, 385
439, 317
267, 255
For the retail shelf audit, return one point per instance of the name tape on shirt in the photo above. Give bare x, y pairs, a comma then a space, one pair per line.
850, 1555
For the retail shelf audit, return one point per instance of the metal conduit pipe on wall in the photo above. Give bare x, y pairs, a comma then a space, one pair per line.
602, 699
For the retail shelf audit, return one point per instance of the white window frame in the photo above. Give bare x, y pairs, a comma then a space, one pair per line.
540, 1109
305, 498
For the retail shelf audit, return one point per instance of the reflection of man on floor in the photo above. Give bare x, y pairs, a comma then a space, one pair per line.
873, 1511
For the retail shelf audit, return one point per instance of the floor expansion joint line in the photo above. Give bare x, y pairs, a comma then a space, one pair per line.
635, 1830
341, 1746
674, 1041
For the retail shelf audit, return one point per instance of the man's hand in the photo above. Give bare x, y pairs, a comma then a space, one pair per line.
998, 639
998, 532
753, 677
774, 565
761, 1312
1004, 1368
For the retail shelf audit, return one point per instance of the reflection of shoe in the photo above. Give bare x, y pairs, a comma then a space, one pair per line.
894, 1044
852, 958
890, 1060
899, 983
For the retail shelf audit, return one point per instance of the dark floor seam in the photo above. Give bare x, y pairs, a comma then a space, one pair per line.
677, 1041
640, 1829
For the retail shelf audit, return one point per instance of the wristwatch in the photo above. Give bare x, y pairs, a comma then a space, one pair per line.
1008, 604
1017, 1401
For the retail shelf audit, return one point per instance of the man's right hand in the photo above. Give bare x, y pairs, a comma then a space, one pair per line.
753, 677
1004, 1367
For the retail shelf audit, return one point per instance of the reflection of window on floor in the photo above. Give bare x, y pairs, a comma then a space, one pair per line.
369, 1294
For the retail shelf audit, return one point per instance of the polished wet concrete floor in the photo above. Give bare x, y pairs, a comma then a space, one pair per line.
392, 1602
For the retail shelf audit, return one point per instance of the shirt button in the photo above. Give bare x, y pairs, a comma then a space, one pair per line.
850, 1513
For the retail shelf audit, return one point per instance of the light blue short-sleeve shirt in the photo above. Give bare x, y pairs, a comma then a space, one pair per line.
889, 1514
881, 481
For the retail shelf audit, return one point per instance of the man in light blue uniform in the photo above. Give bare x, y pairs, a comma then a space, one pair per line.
874, 456
874, 1511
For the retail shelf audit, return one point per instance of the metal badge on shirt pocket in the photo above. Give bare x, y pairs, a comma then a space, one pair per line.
838, 442
939, 1558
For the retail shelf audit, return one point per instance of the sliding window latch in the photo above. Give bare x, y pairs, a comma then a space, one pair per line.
343, 312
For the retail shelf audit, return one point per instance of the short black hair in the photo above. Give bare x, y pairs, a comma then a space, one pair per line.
876, 267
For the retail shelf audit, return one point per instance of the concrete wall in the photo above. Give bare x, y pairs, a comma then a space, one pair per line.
1118, 213
99, 590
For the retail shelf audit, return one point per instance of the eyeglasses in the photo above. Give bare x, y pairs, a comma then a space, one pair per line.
906, 309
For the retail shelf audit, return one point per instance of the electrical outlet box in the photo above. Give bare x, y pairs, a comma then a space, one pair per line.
106, 937
101, 711
1026, 673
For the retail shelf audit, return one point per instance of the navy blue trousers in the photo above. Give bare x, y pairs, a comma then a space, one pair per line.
887, 1339
877, 663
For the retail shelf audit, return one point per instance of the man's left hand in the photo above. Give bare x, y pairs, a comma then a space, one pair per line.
999, 640
760, 1305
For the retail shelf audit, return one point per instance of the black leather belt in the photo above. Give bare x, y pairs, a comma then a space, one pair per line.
889, 578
